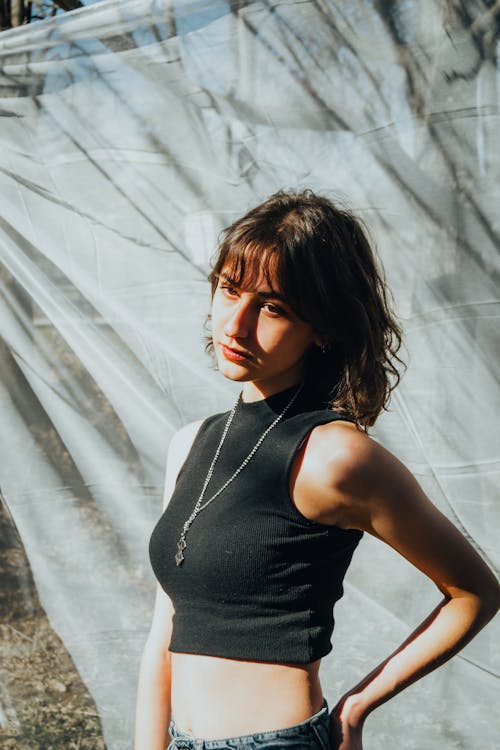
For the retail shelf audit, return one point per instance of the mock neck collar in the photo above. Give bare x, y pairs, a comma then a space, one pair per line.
273, 405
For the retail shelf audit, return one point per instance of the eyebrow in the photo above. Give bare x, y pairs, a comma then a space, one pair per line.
262, 295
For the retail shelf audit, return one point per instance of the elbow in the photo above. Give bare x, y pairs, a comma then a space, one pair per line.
489, 600
492, 602
481, 600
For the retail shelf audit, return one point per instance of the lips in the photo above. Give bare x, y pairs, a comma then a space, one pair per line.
234, 355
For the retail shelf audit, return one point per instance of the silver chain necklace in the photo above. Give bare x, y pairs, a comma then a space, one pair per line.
200, 505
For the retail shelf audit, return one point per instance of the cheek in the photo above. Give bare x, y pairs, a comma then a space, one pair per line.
270, 335
301, 342
285, 341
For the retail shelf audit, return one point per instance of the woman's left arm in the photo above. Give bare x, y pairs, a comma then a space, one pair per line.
371, 490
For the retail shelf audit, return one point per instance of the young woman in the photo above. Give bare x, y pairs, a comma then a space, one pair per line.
266, 503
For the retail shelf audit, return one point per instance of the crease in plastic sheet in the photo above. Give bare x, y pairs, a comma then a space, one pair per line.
131, 133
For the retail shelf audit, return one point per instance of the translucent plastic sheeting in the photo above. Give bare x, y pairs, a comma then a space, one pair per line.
131, 133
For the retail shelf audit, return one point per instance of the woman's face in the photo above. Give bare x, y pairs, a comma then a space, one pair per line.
257, 338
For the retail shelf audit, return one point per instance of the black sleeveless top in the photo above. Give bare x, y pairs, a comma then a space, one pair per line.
259, 580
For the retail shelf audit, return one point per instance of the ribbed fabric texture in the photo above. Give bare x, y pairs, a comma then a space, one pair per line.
259, 580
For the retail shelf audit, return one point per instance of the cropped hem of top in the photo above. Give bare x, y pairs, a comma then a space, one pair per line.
259, 580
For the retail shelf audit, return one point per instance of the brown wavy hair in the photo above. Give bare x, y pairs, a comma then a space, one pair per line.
319, 258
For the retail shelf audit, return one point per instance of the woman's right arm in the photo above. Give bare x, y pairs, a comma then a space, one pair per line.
153, 693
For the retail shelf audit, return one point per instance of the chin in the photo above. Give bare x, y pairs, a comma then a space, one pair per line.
233, 372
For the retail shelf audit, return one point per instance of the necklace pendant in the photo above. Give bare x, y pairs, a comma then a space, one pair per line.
179, 558
181, 546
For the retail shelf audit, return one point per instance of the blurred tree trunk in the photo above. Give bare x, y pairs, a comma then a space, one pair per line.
13, 13
18, 12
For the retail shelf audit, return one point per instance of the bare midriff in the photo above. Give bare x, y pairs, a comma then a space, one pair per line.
214, 697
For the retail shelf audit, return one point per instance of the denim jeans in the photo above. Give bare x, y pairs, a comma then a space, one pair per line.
312, 734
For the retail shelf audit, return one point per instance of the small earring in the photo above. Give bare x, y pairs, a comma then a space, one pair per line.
324, 348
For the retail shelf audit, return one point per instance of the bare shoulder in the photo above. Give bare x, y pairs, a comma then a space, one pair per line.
346, 449
349, 474
344, 455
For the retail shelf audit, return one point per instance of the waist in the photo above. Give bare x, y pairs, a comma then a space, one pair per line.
215, 697
316, 728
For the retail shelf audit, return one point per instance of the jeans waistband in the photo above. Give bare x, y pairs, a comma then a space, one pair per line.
184, 740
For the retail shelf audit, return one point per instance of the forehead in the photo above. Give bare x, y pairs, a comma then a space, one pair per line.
254, 269
250, 282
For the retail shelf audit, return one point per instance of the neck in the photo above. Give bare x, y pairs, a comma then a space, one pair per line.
255, 391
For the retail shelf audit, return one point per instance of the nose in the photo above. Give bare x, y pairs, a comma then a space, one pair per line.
237, 324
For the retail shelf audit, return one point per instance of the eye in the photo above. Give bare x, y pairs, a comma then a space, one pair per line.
274, 310
228, 290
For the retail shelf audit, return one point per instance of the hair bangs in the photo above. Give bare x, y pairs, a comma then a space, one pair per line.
247, 264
